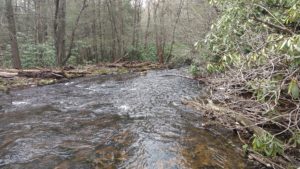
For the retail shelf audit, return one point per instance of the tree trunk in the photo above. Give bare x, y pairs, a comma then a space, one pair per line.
159, 32
174, 29
94, 33
138, 31
162, 33
148, 24
111, 5
16, 62
100, 30
136, 18
40, 25
84, 5
60, 30
121, 16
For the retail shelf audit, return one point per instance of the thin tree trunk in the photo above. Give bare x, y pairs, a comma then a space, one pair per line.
139, 19
156, 29
16, 62
100, 30
115, 33
134, 25
94, 33
117, 20
84, 5
162, 33
148, 24
174, 29
60, 30
41, 25
113, 30
121, 16
159, 31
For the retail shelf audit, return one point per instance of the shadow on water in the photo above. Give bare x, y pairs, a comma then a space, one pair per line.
132, 121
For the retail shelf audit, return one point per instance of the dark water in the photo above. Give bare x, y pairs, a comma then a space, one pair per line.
132, 121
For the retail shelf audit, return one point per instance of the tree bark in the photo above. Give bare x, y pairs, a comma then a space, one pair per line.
84, 5
136, 21
174, 29
40, 25
94, 33
159, 31
111, 5
16, 62
100, 30
121, 16
147, 33
113, 30
60, 30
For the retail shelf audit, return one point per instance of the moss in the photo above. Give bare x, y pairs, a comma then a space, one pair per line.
43, 82
3, 88
102, 71
122, 70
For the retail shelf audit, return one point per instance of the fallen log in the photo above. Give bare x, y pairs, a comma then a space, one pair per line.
78, 72
9, 70
129, 64
42, 74
8, 74
112, 65
137, 65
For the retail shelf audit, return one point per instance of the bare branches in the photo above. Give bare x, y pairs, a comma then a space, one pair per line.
271, 25
84, 5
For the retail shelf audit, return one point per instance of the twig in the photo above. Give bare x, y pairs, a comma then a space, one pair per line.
284, 29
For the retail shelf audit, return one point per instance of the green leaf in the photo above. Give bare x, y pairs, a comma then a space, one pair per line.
294, 89
245, 147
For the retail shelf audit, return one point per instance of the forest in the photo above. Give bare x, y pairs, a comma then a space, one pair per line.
150, 84
52, 34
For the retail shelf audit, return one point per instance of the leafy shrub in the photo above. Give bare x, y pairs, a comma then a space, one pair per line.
295, 139
263, 88
267, 145
142, 54
37, 55
194, 70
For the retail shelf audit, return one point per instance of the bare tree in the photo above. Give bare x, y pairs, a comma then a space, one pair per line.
60, 30
94, 31
136, 23
174, 28
100, 22
147, 33
116, 35
16, 62
84, 5
159, 29
40, 25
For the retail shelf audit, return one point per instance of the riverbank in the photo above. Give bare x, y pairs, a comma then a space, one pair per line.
11, 79
266, 135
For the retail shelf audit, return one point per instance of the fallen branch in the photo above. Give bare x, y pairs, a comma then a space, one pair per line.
244, 121
284, 29
8, 74
241, 119
41, 74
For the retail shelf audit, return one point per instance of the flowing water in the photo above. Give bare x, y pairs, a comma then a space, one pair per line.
130, 121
